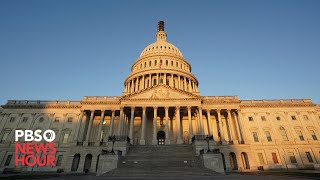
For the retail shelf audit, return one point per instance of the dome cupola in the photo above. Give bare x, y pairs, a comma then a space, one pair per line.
161, 63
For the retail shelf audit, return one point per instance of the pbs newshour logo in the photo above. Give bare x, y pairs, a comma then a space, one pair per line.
36, 135
31, 150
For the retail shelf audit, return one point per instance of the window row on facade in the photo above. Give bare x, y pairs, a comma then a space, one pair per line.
278, 118
162, 63
283, 134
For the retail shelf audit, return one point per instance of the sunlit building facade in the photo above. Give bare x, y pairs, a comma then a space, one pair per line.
161, 105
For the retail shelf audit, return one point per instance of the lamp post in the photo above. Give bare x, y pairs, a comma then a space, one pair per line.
207, 138
113, 140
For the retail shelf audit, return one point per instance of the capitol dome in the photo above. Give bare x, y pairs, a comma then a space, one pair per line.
161, 63
161, 46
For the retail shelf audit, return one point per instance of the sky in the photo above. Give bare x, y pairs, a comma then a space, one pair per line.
64, 50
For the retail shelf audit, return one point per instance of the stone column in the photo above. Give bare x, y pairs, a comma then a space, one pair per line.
33, 120
231, 127
120, 121
165, 78
154, 139
125, 125
90, 124
157, 78
111, 122
237, 126
179, 82
77, 133
215, 130
150, 80
167, 140
100, 126
209, 123
143, 82
242, 136
185, 83
194, 86
172, 80
220, 125
137, 84
143, 128
189, 86
131, 125
196, 122
179, 138
190, 124
201, 121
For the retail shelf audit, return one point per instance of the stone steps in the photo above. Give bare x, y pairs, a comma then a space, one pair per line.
168, 160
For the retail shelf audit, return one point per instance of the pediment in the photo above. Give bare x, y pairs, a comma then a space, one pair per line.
161, 92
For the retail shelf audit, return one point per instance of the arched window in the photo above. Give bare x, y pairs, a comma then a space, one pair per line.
177, 65
166, 62
75, 162
145, 64
171, 63
155, 62
65, 136
140, 66
154, 82
283, 134
87, 163
149, 63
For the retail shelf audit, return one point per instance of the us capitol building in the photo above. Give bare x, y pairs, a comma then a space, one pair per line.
161, 106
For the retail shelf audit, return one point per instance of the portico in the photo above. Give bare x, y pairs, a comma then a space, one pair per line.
142, 119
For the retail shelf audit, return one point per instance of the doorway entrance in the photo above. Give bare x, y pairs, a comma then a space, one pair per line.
161, 136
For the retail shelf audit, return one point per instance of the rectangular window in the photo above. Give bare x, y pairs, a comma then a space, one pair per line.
261, 159
309, 157
8, 160
263, 118
25, 119
250, 118
268, 136
299, 133
293, 118
5, 136
292, 157
255, 137
305, 117
275, 158
70, 119
313, 134
59, 160
12, 119
65, 138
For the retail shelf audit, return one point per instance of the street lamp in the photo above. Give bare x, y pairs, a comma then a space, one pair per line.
113, 138
207, 138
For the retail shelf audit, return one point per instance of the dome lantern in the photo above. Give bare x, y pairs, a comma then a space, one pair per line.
161, 35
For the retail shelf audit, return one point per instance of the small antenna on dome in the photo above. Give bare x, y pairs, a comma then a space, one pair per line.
160, 26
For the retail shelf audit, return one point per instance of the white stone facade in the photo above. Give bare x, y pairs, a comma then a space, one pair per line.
161, 104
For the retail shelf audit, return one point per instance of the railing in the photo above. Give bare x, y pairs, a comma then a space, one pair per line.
221, 97
91, 144
101, 98
118, 138
37, 102
276, 101
201, 137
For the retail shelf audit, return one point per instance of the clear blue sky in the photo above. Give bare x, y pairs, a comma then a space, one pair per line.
69, 49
